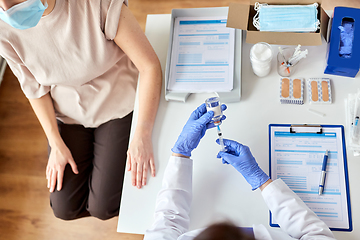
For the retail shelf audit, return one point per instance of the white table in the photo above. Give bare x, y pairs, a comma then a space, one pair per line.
219, 191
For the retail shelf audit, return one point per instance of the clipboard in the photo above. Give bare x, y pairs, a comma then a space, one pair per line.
226, 97
296, 154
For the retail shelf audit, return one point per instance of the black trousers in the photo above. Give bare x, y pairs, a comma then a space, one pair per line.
100, 155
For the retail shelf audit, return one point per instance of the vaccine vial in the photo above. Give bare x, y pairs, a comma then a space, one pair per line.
213, 104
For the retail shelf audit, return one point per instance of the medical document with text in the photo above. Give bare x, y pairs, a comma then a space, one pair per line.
202, 57
297, 159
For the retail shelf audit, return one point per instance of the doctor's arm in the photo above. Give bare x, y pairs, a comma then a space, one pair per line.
291, 213
174, 199
131, 39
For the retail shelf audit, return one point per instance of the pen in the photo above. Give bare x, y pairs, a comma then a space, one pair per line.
323, 173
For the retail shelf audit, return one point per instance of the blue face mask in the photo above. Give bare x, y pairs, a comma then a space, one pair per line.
23, 15
286, 18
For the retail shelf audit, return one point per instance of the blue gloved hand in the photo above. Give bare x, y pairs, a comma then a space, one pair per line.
240, 157
194, 130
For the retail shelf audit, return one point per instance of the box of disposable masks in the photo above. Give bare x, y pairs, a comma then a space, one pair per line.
344, 48
280, 22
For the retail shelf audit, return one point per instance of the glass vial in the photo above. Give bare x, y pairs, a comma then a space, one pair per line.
213, 104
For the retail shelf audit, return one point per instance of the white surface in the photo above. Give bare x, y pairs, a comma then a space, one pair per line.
219, 191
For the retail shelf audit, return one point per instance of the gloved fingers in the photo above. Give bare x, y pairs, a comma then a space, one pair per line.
226, 157
205, 119
222, 154
200, 111
229, 146
233, 146
212, 125
222, 159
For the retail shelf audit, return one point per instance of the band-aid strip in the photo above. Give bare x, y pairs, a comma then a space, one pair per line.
325, 91
285, 88
297, 88
314, 91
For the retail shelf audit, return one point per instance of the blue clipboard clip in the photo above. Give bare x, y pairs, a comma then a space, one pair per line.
306, 128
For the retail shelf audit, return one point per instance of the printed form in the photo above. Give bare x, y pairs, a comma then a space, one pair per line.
297, 159
202, 57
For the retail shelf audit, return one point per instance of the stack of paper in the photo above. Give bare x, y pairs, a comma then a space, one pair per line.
202, 57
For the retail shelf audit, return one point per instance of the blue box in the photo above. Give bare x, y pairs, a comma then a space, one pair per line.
344, 48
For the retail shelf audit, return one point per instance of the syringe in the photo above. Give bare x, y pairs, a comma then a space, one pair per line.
221, 140
213, 104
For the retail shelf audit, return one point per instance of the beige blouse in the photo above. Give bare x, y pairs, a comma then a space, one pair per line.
72, 55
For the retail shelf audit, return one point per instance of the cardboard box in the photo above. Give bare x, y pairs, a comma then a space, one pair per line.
338, 63
241, 16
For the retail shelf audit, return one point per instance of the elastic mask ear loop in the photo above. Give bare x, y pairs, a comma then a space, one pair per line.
317, 24
256, 21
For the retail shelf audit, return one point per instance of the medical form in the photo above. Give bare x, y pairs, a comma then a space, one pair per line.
202, 57
297, 159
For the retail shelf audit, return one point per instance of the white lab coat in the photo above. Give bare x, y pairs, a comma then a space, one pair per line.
174, 199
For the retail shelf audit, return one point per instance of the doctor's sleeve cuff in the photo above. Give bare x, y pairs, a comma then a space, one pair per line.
178, 173
292, 214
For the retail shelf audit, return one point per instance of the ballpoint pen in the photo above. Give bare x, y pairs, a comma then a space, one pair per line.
323, 173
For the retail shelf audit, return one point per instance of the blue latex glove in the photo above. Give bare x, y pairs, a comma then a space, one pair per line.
240, 157
194, 130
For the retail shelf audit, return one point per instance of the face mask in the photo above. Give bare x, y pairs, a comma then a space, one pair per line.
286, 18
24, 15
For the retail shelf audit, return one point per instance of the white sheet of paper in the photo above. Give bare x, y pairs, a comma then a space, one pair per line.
202, 57
297, 159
